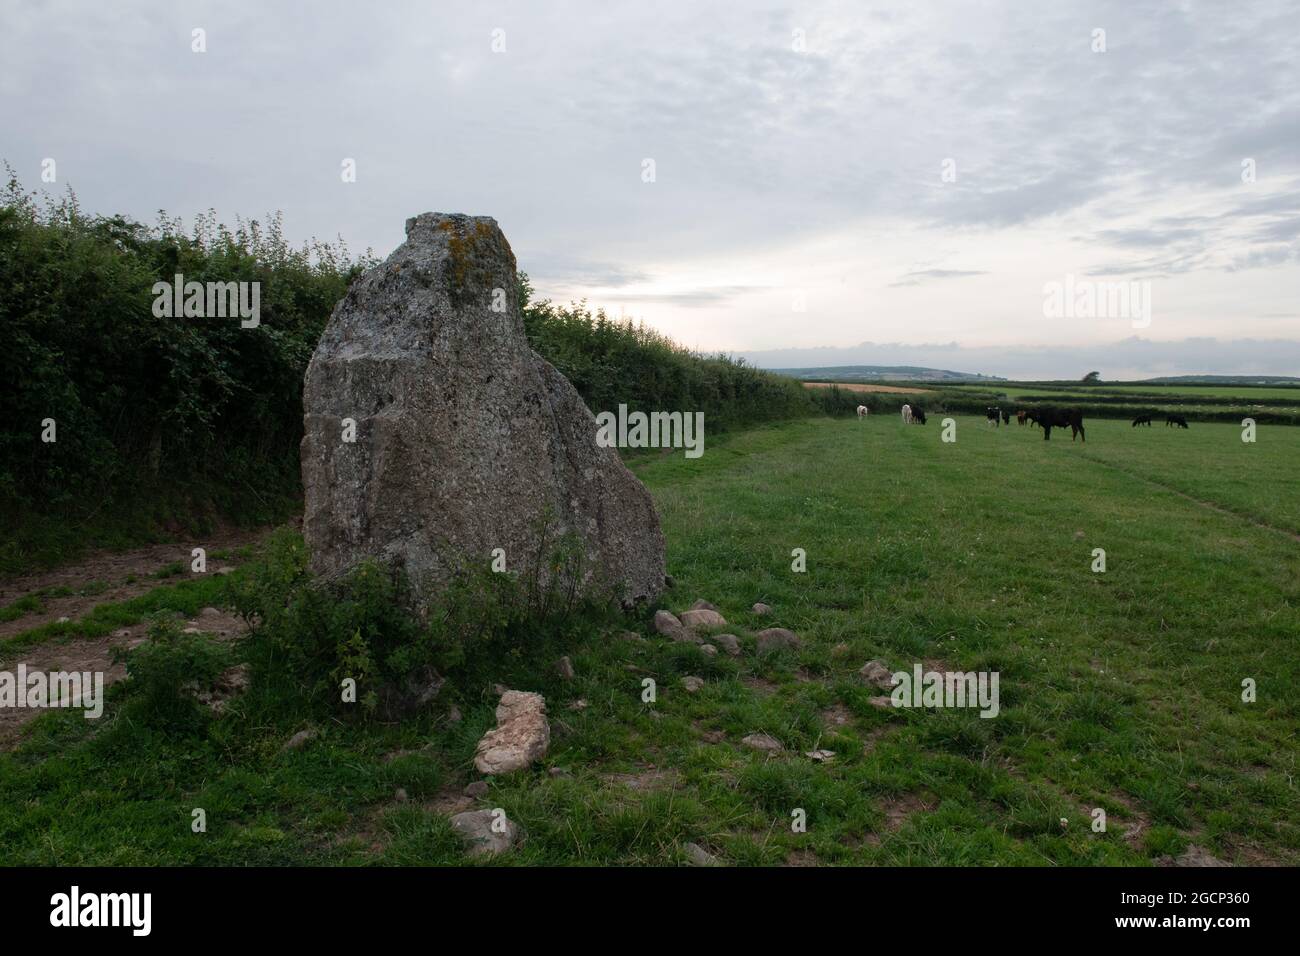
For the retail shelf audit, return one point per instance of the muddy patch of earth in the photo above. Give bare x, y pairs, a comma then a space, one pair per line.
95, 655
109, 577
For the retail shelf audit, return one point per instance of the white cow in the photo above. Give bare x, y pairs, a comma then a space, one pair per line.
863, 411
907, 414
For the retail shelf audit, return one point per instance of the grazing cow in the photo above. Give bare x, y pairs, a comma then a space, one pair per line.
918, 415
994, 416
1006, 417
1021, 416
1050, 418
1142, 420
863, 411
907, 414
1176, 420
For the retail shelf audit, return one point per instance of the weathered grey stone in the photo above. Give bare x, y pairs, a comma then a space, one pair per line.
761, 609
702, 618
728, 642
666, 623
300, 739
698, 856
709, 650
485, 832
692, 684
703, 605
564, 667
775, 639
521, 736
476, 789
877, 675
764, 742
466, 441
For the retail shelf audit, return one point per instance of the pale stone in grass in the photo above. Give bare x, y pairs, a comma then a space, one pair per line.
761, 609
698, 856
692, 684
521, 736
476, 789
466, 440
702, 618
300, 739
666, 623
762, 742
564, 667
709, 649
883, 703
475, 827
776, 639
703, 605
877, 675
728, 642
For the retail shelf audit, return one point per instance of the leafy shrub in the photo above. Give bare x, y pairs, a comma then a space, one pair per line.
167, 670
308, 635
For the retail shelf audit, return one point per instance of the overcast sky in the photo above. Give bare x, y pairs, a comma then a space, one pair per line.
799, 198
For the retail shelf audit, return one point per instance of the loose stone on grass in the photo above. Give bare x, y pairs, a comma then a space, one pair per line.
776, 639
521, 736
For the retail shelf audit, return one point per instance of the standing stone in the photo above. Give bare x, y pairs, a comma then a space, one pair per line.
465, 440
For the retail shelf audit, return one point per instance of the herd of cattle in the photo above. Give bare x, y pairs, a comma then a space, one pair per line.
1044, 418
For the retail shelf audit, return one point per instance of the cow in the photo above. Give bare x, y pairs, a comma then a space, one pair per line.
1021, 416
1176, 420
1050, 418
994, 416
907, 414
1142, 420
1006, 417
918, 415
863, 411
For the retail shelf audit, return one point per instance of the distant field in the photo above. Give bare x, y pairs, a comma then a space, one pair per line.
863, 387
1249, 392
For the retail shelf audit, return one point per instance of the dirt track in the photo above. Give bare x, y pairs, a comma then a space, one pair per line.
108, 577
101, 578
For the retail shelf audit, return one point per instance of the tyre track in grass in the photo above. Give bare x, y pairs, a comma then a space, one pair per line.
1208, 505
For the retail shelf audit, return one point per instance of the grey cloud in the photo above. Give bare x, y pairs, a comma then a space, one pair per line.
916, 278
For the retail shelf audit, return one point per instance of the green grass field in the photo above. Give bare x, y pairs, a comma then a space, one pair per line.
1120, 690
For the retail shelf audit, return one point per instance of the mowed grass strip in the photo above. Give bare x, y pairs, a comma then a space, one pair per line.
1119, 690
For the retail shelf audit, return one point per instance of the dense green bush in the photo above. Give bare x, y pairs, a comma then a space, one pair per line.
156, 417
307, 635
167, 671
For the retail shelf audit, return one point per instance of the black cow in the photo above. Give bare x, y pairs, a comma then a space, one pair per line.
1142, 420
994, 415
1050, 418
918, 415
1006, 417
1176, 420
